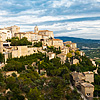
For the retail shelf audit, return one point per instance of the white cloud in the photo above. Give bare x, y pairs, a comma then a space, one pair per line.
84, 29
66, 3
38, 12
3, 12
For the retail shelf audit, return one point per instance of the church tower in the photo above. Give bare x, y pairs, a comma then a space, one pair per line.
36, 29
1, 45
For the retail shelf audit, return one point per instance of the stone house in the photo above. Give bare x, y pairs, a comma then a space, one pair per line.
55, 42
44, 47
75, 61
33, 64
43, 32
93, 62
14, 29
89, 76
9, 73
42, 72
6, 34
82, 77
87, 89
10, 31
1, 45
62, 56
72, 45
31, 36
81, 53
51, 55
64, 49
46, 32
77, 78
18, 51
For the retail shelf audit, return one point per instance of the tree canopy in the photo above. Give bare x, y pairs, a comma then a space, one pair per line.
22, 42
1, 57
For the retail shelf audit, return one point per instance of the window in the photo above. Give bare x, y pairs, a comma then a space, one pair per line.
88, 94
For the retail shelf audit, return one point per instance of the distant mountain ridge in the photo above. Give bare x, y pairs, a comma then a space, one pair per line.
81, 42
74, 39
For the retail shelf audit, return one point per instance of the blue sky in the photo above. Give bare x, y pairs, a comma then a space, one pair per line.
74, 18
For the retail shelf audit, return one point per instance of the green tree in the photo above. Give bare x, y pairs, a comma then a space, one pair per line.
77, 53
34, 94
98, 70
69, 55
21, 42
37, 44
1, 57
67, 45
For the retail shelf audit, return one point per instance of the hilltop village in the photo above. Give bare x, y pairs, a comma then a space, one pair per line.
36, 65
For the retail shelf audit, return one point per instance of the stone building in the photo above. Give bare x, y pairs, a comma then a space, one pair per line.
10, 31
83, 82
14, 29
55, 42
31, 36
75, 61
81, 53
77, 78
3, 36
62, 56
9, 73
18, 51
87, 89
72, 45
64, 49
39, 35
1, 45
6, 34
36, 30
85, 76
44, 47
89, 76
51, 55
44, 32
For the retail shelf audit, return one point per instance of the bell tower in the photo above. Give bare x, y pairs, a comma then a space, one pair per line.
1, 45
36, 29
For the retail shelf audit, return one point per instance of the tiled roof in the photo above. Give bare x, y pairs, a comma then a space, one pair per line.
88, 72
68, 42
56, 40
45, 31
85, 84
20, 33
30, 32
